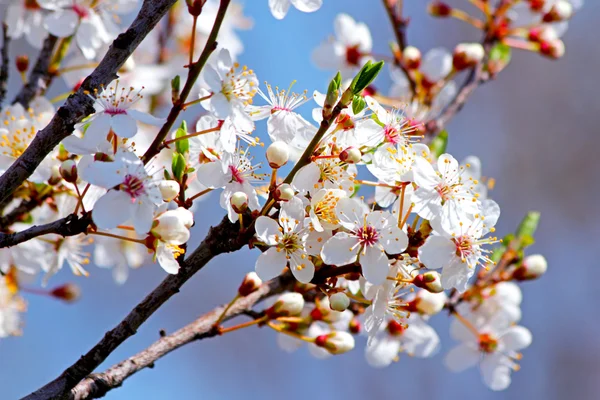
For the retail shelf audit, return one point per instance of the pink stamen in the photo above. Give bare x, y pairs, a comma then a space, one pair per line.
367, 235
133, 186
236, 174
81, 11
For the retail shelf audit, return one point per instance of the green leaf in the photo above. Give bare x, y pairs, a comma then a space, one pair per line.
366, 75
182, 146
500, 56
439, 143
358, 104
528, 225
355, 191
166, 175
178, 166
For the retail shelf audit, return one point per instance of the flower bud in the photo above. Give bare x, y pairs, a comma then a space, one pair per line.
239, 202
68, 170
68, 292
339, 301
284, 192
553, 48
411, 57
173, 226
287, 305
22, 63
429, 281
336, 342
354, 326
55, 176
429, 303
439, 9
560, 11
169, 189
533, 267
102, 157
351, 155
278, 154
395, 328
250, 284
467, 55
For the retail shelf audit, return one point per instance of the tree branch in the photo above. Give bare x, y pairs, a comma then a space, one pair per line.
225, 237
79, 105
68, 226
5, 61
97, 385
38, 73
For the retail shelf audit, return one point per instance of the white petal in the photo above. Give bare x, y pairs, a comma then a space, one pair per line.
495, 372
98, 128
142, 218
267, 229
382, 351
337, 250
375, 265
307, 5
270, 263
112, 209
461, 358
437, 63
456, 275
279, 8
62, 23
146, 118
436, 252
516, 338
394, 240
307, 270
167, 260
124, 125
350, 213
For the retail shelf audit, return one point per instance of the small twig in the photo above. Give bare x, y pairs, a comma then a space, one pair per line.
39, 72
5, 61
69, 226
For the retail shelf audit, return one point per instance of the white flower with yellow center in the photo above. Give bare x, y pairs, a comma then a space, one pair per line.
322, 209
287, 238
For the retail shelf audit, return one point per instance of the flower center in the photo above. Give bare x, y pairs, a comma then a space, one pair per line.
325, 209
289, 242
392, 135
115, 111
237, 85
395, 328
487, 343
367, 235
236, 174
32, 5
81, 11
133, 186
353, 55
445, 191
464, 246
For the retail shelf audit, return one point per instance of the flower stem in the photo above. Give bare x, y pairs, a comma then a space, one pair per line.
189, 135
290, 333
201, 99
193, 41
243, 325
202, 193
140, 241
466, 323
224, 313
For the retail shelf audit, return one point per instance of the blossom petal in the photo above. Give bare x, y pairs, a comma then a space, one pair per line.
166, 259
279, 8
461, 358
516, 338
267, 229
270, 263
338, 250
302, 269
382, 351
375, 265
495, 372
112, 209
307, 5
62, 23
124, 125
98, 128
146, 118
436, 252
142, 218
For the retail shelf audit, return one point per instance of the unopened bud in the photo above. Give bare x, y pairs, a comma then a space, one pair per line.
429, 303
55, 176
429, 281
68, 170
439, 9
560, 11
287, 305
250, 284
169, 189
239, 202
284, 192
278, 154
22, 63
68, 292
467, 55
102, 157
173, 225
351, 155
354, 326
336, 342
411, 57
553, 48
339, 301
533, 267
395, 328
195, 7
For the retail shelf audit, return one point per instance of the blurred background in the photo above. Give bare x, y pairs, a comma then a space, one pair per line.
535, 129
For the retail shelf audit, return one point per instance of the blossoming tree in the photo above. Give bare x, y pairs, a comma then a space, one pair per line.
112, 172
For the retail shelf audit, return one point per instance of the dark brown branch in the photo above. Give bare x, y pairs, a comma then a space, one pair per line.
5, 61
68, 226
79, 105
38, 73
223, 238
97, 385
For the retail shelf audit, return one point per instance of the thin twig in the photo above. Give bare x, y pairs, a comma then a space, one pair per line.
78, 105
38, 73
69, 226
5, 61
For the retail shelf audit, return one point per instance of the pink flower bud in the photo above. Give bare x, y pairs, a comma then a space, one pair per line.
68, 170
429, 281
553, 48
439, 9
250, 284
68, 292
411, 57
55, 176
351, 155
278, 154
560, 11
339, 301
467, 55
239, 202
336, 342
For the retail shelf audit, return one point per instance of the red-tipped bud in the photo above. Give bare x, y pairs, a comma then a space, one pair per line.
351, 155
561, 11
553, 48
22, 63
102, 157
250, 284
278, 154
68, 170
411, 57
195, 6
439, 9
239, 202
533, 267
429, 281
68, 292
395, 328
467, 55
287, 305
284, 192
354, 326
339, 301
55, 176
336, 342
